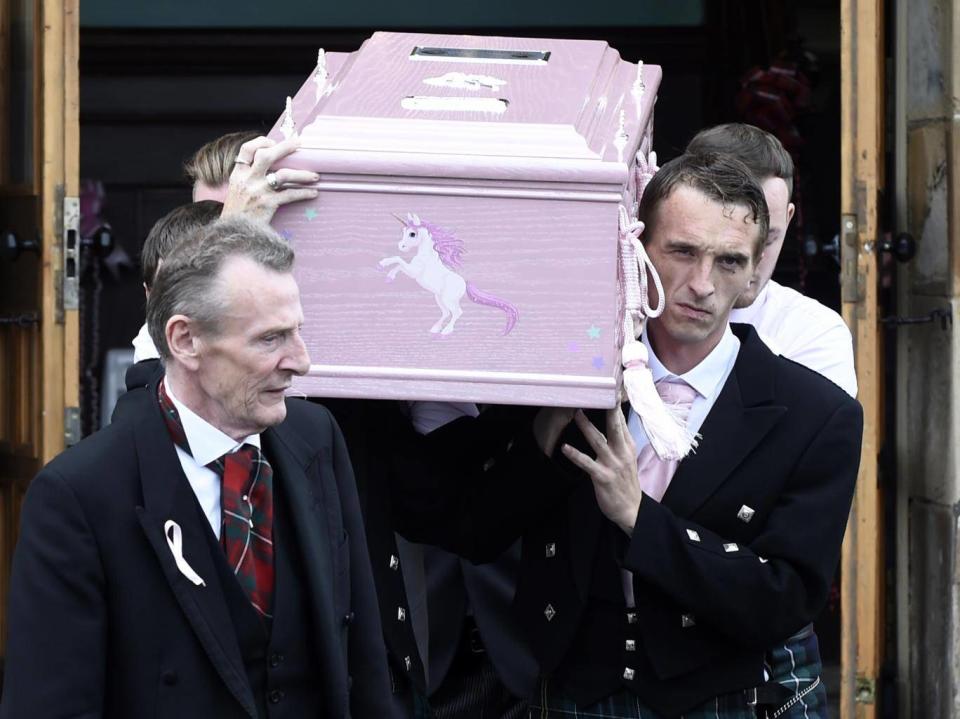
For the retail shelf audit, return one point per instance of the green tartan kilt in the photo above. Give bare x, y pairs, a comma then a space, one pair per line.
795, 665
626, 705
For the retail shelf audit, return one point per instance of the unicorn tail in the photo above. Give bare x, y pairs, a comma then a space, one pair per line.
485, 298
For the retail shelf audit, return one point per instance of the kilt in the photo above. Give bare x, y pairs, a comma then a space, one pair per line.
626, 705
795, 665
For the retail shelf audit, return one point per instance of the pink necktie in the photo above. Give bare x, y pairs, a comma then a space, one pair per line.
654, 473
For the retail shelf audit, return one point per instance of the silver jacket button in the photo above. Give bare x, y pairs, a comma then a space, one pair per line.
746, 513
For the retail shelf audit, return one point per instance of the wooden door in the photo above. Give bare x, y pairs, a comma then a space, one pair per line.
39, 214
862, 161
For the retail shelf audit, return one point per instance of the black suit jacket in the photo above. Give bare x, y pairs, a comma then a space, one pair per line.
383, 442
713, 591
102, 622
143, 373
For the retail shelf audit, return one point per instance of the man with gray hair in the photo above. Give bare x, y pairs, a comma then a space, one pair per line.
204, 555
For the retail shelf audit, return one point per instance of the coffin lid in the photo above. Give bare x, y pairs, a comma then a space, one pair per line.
536, 101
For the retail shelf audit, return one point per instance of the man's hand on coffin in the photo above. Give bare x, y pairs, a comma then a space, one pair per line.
250, 192
548, 425
613, 471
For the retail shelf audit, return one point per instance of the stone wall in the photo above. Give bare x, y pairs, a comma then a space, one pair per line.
928, 356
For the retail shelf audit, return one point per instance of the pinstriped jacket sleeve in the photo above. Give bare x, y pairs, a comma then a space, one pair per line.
367, 662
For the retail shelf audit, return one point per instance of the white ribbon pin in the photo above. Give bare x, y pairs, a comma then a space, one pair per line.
175, 541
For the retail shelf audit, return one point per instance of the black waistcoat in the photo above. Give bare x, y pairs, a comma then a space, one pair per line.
279, 657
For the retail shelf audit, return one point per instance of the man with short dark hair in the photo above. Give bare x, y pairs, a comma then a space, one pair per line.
799, 328
796, 326
172, 229
164, 236
652, 588
204, 555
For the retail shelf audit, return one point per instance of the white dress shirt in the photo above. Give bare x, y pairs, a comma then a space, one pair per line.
803, 330
143, 347
707, 378
207, 443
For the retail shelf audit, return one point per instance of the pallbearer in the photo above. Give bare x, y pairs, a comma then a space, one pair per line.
654, 588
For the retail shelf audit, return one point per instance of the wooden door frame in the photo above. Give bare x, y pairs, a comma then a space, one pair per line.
862, 163
40, 367
60, 173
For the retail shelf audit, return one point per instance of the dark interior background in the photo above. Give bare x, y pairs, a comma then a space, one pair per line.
157, 82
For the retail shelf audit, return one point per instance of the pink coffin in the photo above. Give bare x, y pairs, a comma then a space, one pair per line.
514, 154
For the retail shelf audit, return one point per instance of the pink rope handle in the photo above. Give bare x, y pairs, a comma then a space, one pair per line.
637, 271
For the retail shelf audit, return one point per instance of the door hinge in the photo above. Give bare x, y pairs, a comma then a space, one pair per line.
851, 279
71, 426
866, 690
70, 277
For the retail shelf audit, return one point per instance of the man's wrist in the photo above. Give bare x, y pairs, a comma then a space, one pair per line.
629, 519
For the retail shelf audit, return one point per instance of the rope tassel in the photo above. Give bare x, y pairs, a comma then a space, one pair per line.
665, 426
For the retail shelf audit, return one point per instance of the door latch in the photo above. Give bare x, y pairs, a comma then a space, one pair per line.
851, 279
944, 316
70, 277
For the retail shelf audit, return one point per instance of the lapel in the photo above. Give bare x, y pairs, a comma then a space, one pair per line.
167, 495
740, 418
297, 465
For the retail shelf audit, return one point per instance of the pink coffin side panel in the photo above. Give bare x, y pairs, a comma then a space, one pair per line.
464, 243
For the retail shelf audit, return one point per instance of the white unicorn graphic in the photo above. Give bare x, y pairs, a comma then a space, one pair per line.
434, 268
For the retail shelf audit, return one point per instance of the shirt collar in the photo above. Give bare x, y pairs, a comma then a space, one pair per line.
207, 443
707, 377
143, 347
750, 313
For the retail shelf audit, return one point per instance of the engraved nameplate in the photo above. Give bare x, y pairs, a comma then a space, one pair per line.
458, 54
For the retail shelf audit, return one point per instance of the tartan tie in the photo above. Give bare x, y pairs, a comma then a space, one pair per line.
246, 502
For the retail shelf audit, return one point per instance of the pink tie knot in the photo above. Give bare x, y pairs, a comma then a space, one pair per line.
676, 392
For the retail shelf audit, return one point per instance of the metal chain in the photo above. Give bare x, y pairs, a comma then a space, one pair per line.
90, 314
797, 697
